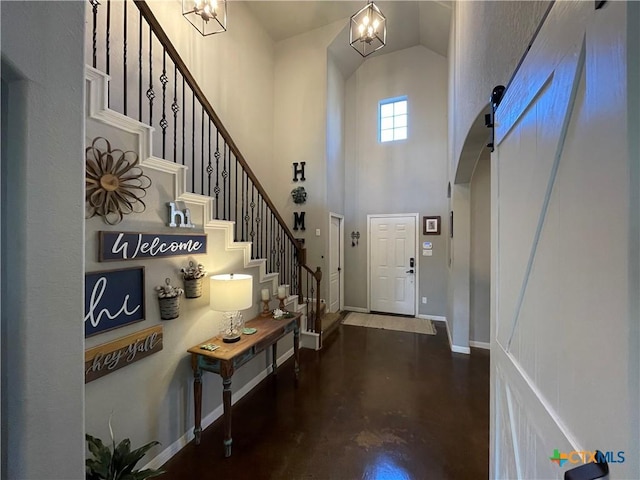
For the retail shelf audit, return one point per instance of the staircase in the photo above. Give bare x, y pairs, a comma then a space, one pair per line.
139, 83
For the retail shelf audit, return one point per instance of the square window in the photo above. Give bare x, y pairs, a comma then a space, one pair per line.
393, 119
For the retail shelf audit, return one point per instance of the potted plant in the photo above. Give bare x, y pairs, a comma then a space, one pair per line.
192, 276
118, 462
169, 299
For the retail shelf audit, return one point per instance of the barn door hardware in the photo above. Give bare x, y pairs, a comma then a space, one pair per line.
489, 118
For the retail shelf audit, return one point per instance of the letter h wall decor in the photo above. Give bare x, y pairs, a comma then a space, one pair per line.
299, 195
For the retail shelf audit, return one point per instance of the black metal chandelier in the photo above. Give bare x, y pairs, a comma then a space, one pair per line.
208, 16
368, 29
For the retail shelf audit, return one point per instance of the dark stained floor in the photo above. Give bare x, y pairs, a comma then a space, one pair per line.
373, 404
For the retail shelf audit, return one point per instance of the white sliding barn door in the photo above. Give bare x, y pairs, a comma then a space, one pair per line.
564, 307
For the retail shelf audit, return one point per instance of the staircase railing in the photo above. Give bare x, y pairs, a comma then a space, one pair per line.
150, 82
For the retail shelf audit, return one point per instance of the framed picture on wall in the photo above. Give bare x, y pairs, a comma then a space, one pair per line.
431, 225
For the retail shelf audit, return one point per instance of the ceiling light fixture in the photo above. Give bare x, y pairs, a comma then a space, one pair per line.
208, 16
368, 29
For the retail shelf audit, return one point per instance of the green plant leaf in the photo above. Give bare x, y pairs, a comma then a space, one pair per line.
136, 455
119, 464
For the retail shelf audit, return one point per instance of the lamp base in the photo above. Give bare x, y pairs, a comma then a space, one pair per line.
231, 339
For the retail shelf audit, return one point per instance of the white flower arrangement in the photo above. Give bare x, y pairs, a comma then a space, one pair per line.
193, 271
168, 291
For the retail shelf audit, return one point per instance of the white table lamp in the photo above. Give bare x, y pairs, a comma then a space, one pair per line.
231, 293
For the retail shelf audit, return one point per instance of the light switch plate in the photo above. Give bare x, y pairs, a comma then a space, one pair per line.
317, 232
427, 253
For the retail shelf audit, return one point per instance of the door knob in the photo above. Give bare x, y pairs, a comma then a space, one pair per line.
409, 271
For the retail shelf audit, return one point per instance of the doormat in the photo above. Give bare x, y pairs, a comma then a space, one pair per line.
390, 322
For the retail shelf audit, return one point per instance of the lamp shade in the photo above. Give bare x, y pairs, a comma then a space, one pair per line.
231, 292
368, 29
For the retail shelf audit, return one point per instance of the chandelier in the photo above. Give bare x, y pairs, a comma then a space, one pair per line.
368, 29
208, 16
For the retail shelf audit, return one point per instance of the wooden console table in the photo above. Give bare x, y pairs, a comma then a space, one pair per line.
230, 356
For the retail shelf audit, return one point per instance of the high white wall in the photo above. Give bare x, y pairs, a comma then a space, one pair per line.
480, 266
404, 177
300, 122
335, 137
43, 259
236, 73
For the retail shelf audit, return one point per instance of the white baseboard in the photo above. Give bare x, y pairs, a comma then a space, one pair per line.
179, 444
485, 345
458, 349
356, 309
435, 318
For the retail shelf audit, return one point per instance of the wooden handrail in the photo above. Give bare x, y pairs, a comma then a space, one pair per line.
184, 71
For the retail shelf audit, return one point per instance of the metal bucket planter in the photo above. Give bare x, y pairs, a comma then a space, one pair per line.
193, 288
169, 307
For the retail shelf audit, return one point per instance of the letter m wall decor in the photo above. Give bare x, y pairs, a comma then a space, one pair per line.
113, 299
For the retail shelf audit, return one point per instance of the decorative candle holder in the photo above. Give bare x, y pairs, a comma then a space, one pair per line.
265, 309
282, 294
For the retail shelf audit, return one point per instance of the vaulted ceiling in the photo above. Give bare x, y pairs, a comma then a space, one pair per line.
409, 23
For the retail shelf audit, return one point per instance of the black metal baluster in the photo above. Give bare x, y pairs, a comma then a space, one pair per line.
108, 51
140, 69
163, 121
252, 233
216, 189
193, 141
236, 218
202, 151
209, 166
272, 252
259, 227
225, 175
124, 60
243, 207
150, 93
175, 108
278, 252
94, 5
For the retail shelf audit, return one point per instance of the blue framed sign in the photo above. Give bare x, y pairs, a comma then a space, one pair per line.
113, 299
136, 245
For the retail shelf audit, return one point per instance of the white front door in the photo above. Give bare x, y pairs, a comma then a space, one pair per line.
564, 306
392, 264
335, 262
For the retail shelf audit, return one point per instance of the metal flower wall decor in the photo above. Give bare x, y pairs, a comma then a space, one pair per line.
115, 184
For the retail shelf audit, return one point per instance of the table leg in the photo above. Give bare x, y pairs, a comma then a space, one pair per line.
226, 401
296, 350
197, 399
274, 359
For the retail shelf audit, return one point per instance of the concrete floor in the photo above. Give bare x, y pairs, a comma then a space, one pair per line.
373, 404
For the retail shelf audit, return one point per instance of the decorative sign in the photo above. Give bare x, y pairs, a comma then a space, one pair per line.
113, 299
135, 245
109, 357
184, 218
298, 171
298, 220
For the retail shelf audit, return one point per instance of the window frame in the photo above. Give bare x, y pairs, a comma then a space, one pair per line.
387, 101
